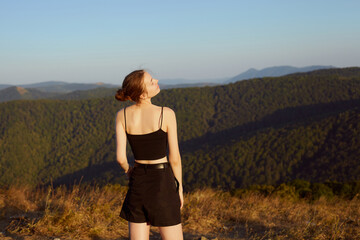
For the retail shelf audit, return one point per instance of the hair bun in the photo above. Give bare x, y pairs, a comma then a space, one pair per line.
120, 95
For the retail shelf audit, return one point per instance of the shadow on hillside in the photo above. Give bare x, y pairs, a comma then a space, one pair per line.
110, 172
278, 119
100, 174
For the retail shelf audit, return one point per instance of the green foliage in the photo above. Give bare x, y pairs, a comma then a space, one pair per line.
320, 189
303, 188
305, 150
259, 189
260, 131
286, 191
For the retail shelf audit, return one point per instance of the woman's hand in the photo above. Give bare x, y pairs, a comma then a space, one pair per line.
181, 195
128, 172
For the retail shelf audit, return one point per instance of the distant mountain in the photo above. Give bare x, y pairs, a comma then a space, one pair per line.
61, 87
183, 81
64, 87
55, 90
99, 92
43, 84
2, 86
187, 85
273, 72
20, 93
102, 90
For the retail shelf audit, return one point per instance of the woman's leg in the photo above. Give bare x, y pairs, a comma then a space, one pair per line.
171, 232
139, 231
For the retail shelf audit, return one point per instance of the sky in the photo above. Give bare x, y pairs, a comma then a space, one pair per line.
88, 41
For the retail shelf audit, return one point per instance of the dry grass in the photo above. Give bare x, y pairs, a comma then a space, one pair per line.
92, 213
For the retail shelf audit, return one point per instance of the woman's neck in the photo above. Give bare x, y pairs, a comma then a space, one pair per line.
146, 101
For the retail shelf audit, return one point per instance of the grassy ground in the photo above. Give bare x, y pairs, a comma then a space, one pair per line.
92, 213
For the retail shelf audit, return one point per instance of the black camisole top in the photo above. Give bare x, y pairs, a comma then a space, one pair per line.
149, 146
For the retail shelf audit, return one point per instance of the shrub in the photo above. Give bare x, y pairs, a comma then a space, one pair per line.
321, 190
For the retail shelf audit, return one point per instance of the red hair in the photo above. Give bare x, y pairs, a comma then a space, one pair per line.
132, 87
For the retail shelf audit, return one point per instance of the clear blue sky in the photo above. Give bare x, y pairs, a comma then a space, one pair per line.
103, 40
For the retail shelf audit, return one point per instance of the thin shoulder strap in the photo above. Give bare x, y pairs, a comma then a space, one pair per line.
162, 116
125, 118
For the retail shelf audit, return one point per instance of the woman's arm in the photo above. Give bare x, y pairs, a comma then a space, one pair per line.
121, 141
174, 153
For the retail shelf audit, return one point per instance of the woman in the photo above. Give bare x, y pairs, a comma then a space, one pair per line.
155, 194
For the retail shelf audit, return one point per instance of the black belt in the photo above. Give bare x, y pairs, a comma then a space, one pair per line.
152, 166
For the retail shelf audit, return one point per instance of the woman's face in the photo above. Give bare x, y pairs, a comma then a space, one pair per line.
151, 86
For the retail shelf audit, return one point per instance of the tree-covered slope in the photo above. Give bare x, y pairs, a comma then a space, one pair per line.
326, 148
20, 93
254, 131
43, 140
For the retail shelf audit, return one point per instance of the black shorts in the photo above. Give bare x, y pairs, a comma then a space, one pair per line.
152, 197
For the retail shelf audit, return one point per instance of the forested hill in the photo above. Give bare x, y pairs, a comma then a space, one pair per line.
16, 93
257, 131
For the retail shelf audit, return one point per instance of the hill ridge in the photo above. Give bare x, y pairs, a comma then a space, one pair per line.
46, 140
275, 71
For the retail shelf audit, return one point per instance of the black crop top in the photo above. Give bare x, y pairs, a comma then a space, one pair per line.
150, 146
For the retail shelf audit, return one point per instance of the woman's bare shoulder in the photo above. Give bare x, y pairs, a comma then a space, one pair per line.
169, 114
168, 110
121, 111
120, 115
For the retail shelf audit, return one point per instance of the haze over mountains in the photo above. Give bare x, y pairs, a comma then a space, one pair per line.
273, 72
62, 87
64, 90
